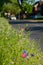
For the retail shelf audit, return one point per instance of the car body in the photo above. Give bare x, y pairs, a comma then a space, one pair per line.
12, 17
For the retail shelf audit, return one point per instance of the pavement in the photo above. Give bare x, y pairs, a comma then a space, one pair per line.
35, 28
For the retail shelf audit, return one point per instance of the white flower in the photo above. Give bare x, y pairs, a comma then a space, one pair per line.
12, 62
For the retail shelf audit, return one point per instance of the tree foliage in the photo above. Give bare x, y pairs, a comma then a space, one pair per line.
27, 7
2, 3
9, 6
12, 6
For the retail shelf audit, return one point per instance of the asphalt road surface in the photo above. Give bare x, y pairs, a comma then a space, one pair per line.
35, 28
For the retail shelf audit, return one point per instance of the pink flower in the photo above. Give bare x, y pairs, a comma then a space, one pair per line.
24, 55
22, 29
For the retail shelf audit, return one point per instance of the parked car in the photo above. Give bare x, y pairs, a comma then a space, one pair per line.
12, 17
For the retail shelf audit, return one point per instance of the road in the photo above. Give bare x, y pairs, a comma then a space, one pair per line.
36, 30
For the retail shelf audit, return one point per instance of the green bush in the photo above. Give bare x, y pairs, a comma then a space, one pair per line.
12, 8
12, 45
27, 7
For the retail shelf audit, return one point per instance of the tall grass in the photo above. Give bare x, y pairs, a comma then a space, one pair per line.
12, 45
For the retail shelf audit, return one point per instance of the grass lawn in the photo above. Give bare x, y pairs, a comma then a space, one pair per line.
16, 48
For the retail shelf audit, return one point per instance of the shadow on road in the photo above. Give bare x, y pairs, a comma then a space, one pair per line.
24, 22
34, 28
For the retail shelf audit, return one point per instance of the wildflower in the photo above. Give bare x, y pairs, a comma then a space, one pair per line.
22, 29
32, 55
24, 55
12, 62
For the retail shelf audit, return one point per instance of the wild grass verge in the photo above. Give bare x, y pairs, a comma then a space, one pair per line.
14, 44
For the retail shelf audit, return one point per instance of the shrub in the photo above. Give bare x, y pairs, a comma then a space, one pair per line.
27, 7
12, 8
13, 44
